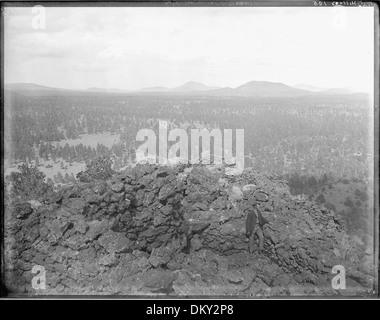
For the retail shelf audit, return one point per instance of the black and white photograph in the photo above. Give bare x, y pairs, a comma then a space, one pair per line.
190, 150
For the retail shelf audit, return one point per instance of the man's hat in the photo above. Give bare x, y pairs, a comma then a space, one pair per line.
255, 196
261, 196
249, 196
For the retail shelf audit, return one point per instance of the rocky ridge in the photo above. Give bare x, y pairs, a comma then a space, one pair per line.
179, 231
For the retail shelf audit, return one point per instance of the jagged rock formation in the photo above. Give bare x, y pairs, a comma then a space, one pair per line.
180, 231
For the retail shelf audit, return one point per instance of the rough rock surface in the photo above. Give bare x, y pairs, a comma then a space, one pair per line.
179, 231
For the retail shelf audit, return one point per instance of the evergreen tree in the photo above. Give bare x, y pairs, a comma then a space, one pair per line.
98, 169
28, 183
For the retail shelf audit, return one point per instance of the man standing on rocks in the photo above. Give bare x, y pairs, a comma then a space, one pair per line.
254, 223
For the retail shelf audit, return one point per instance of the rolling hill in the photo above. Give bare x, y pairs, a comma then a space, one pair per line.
156, 89
268, 89
337, 91
111, 90
308, 87
194, 86
249, 89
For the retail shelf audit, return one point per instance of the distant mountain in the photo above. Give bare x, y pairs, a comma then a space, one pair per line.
268, 89
194, 86
156, 89
338, 91
226, 91
28, 87
95, 89
249, 89
350, 88
308, 87
253, 88
32, 89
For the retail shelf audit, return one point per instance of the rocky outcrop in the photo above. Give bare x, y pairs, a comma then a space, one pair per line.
180, 231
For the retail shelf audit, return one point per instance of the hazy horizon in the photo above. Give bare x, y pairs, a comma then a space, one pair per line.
134, 48
296, 86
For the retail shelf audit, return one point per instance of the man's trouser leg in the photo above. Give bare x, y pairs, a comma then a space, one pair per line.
261, 238
252, 240
257, 230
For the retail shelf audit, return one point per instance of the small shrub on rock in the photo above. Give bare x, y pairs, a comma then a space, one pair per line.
99, 168
28, 184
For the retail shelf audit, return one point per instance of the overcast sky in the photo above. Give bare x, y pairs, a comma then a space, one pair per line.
131, 48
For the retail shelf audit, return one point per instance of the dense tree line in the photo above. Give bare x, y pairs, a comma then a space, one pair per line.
311, 136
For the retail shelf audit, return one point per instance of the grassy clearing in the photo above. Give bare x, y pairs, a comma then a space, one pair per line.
92, 140
74, 168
